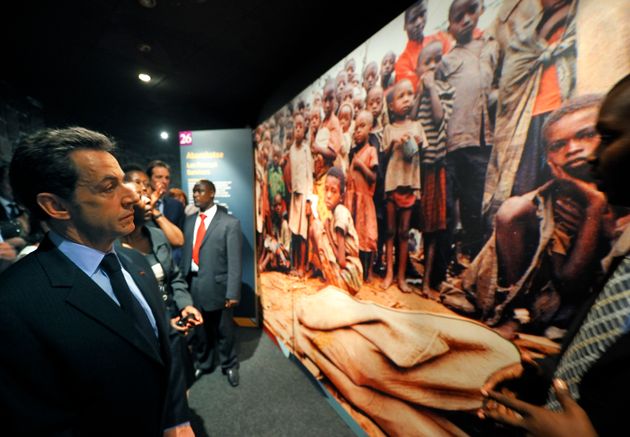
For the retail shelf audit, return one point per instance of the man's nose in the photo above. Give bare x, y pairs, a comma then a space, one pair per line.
130, 196
574, 146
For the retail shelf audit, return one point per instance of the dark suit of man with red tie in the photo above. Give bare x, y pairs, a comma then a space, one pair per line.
212, 262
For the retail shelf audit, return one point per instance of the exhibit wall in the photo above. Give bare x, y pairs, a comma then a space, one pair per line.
225, 157
422, 213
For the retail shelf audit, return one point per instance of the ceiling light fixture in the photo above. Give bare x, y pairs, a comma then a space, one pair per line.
148, 3
164, 135
144, 47
144, 77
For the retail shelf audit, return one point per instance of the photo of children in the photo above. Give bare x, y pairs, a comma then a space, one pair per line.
426, 213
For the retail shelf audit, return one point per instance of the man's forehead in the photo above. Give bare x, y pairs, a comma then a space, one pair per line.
160, 169
575, 120
460, 5
375, 93
95, 165
416, 10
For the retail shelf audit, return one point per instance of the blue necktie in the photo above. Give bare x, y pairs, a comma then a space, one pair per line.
128, 302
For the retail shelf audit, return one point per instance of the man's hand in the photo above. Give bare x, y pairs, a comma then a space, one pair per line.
7, 252
155, 196
582, 190
193, 318
538, 421
428, 79
231, 303
184, 430
568, 215
508, 373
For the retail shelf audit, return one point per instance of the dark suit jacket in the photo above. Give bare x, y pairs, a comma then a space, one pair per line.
71, 362
220, 260
174, 211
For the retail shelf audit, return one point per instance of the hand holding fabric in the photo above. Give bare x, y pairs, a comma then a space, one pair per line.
539, 421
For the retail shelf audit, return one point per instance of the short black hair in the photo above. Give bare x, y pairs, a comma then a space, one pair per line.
156, 163
415, 5
337, 173
569, 107
130, 168
208, 184
42, 164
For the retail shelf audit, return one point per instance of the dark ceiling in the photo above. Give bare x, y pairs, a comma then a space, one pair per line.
214, 64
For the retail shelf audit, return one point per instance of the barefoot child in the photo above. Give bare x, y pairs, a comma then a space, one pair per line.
435, 103
375, 105
401, 140
301, 163
360, 191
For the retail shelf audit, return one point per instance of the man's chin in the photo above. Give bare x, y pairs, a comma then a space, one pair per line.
126, 229
582, 172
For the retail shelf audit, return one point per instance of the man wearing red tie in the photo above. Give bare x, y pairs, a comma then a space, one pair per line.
211, 261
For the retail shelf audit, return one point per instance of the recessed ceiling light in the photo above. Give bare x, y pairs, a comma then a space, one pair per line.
144, 48
148, 3
164, 135
144, 77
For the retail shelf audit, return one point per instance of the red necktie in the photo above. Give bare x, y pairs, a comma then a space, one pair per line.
201, 232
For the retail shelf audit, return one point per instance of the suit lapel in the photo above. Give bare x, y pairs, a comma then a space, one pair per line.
146, 282
189, 231
89, 298
213, 224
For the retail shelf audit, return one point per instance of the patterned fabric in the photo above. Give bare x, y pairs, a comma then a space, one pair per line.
275, 176
433, 200
360, 198
435, 148
525, 57
604, 324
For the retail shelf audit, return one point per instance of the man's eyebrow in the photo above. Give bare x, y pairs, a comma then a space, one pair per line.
108, 178
557, 143
587, 129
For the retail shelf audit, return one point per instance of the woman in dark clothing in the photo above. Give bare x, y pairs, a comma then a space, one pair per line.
152, 243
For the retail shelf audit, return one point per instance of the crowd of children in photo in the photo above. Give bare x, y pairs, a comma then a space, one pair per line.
474, 137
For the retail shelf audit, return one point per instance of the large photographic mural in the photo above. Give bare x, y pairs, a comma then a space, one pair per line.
422, 209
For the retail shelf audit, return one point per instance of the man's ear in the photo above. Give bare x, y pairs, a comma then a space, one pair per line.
53, 205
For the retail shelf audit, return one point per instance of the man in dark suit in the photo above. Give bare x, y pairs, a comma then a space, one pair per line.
84, 335
159, 173
590, 378
211, 260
